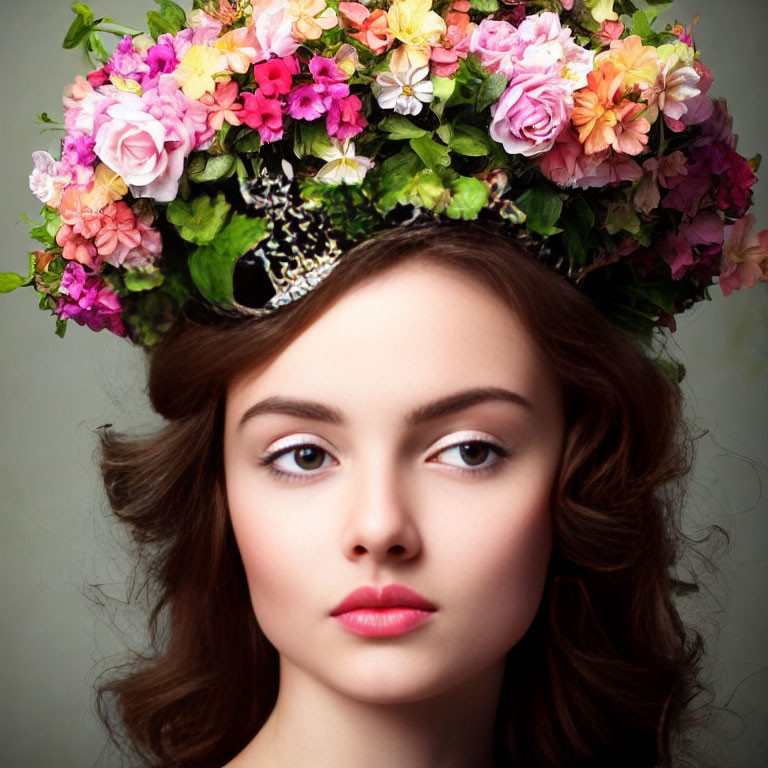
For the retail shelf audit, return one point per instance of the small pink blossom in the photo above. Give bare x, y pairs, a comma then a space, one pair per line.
609, 31
745, 256
631, 130
531, 113
47, 180
223, 105
118, 233
263, 115
126, 62
345, 118
240, 48
610, 168
75, 247
372, 29
161, 60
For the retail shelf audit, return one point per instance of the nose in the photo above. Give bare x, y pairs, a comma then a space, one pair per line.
380, 522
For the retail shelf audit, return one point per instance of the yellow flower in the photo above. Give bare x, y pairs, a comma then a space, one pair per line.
108, 187
196, 70
414, 23
125, 84
640, 63
311, 18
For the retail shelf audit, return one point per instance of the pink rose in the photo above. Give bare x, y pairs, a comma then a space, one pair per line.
497, 45
531, 113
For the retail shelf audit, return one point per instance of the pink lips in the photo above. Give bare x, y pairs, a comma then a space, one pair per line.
383, 612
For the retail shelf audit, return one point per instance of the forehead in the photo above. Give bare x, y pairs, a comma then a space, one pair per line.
417, 331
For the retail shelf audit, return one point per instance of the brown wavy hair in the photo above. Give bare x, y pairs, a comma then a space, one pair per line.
606, 674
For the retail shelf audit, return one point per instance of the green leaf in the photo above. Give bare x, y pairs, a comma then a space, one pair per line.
200, 220
170, 19
640, 24
432, 154
211, 265
216, 167
398, 127
81, 27
445, 133
427, 189
310, 138
10, 281
443, 87
490, 91
578, 220
542, 206
97, 49
469, 196
45, 233
470, 140
61, 327
248, 143
143, 279
487, 6
395, 173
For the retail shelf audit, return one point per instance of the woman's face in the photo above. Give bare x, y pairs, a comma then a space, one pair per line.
411, 437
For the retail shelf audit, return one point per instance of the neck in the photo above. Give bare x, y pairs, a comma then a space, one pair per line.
315, 726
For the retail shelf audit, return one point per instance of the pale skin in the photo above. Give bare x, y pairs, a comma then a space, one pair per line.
385, 494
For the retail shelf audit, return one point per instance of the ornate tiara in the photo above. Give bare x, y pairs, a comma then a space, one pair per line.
233, 153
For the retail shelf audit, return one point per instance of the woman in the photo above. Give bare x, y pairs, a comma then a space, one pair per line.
141, 226
530, 511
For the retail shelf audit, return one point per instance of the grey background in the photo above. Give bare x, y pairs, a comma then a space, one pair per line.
56, 540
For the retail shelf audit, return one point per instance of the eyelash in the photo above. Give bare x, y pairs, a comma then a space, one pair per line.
502, 454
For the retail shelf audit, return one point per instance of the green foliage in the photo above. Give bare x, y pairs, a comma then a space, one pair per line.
432, 154
399, 128
81, 27
395, 174
469, 196
170, 19
10, 281
577, 221
490, 91
204, 167
211, 265
486, 6
470, 140
143, 279
45, 233
542, 206
310, 138
199, 220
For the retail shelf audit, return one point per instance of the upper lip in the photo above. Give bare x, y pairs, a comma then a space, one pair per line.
390, 596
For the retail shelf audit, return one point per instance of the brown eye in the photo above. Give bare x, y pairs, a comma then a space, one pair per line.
309, 457
474, 453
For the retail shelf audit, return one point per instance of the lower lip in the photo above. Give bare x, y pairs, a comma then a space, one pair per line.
382, 622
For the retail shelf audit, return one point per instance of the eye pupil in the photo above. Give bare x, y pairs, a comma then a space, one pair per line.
474, 453
309, 458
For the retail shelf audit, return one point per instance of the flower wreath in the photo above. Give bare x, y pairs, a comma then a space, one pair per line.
578, 121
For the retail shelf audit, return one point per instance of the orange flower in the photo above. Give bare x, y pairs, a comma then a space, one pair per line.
639, 63
594, 112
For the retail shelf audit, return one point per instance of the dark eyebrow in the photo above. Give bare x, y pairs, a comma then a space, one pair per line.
444, 406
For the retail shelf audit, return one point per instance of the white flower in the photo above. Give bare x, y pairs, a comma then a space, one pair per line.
404, 92
343, 164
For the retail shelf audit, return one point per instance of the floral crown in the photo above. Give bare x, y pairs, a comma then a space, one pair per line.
232, 154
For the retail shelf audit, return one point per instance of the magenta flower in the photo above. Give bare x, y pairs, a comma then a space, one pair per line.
77, 150
161, 59
263, 115
326, 71
305, 102
345, 119
88, 301
127, 62
274, 78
